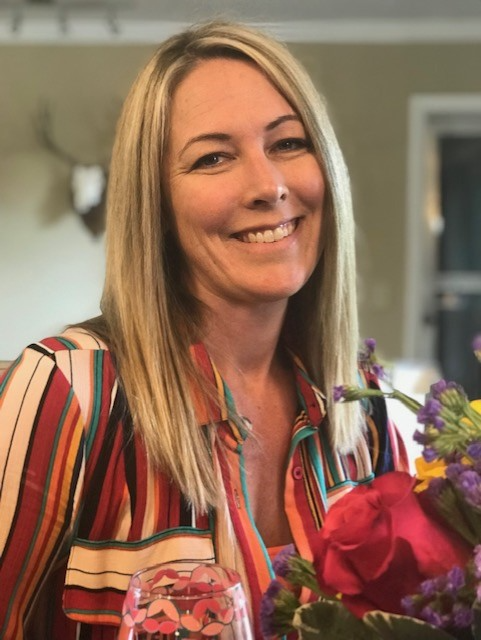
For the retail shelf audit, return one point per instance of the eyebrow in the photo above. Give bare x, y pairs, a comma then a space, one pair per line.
278, 121
223, 137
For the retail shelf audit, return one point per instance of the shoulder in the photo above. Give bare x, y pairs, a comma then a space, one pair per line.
72, 372
73, 346
83, 359
73, 339
48, 351
73, 361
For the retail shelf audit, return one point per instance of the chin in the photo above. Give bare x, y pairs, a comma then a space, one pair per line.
284, 287
280, 293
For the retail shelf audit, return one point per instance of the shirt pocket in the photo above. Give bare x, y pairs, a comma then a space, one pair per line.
98, 572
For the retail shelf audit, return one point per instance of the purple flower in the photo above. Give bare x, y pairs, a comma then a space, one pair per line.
370, 344
453, 457
338, 393
455, 581
441, 386
420, 437
450, 394
409, 605
477, 561
436, 487
474, 450
429, 414
469, 484
378, 370
454, 470
432, 616
430, 454
268, 607
467, 480
281, 563
462, 616
428, 588
438, 388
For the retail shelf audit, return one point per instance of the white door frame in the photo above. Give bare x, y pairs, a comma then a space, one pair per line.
429, 116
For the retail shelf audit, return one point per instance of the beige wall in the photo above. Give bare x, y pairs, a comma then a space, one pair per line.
367, 89
51, 268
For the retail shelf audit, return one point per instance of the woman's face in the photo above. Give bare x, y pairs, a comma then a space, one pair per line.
245, 187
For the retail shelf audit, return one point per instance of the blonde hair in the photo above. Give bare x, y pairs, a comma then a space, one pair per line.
150, 317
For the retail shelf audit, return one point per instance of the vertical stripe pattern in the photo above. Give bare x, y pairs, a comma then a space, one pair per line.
80, 508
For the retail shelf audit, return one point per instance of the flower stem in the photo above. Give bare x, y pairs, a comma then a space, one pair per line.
412, 404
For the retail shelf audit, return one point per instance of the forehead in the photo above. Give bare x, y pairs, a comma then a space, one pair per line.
220, 91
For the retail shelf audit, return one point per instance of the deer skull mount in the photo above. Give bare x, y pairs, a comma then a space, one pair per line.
87, 181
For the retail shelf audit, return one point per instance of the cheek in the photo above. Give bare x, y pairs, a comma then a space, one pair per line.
313, 187
201, 211
314, 196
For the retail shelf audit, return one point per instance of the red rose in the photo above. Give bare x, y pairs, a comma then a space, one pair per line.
378, 544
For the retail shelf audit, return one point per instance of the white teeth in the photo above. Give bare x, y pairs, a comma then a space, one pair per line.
278, 233
270, 235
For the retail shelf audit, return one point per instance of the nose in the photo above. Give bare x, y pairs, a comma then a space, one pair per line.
265, 184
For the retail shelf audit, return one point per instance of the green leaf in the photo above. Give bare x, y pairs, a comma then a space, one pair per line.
390, 626
330, 620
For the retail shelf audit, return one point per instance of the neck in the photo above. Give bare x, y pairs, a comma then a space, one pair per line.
243, 341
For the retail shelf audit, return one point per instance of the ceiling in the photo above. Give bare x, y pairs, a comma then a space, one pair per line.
287, 10
293, 20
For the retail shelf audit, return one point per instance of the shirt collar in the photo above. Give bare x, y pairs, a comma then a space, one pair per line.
311, 398
207, 410
214, 409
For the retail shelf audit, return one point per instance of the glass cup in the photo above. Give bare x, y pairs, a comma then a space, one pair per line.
185, 599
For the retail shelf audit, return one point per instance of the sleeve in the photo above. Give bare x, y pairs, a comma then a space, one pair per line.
41, 467
388, 451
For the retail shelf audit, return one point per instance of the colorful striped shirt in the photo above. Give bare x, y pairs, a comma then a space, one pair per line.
81, 510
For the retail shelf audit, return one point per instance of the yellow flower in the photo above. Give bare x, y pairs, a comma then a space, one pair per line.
426, 471
476, 405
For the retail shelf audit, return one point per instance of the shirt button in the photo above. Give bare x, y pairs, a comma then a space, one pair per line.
297, 473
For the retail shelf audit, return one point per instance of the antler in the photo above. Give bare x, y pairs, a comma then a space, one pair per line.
43, 127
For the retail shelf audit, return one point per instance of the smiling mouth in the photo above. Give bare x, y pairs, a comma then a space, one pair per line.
269, 235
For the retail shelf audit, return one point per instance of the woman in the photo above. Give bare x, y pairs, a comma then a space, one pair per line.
187, 421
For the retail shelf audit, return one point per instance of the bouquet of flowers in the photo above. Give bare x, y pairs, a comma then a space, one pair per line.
400, 557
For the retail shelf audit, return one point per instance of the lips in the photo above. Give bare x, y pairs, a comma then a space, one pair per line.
275, 234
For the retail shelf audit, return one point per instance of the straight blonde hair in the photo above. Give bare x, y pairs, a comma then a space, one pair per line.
148, 314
